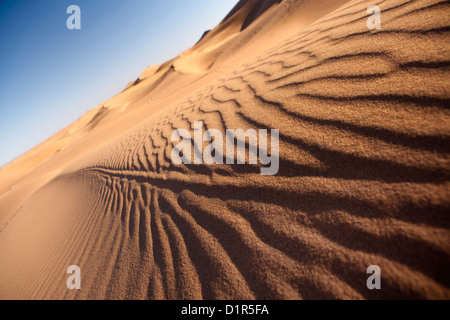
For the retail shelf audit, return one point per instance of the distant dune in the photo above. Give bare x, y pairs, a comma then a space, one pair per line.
364, 169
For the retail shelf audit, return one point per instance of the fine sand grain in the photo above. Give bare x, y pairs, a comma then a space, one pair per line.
363, 180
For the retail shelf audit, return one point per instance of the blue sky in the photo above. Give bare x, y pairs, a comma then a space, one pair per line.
50, 75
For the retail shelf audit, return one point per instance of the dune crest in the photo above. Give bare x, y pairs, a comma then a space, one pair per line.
363, 174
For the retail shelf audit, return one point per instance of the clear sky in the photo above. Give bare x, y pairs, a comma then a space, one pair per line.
50, 75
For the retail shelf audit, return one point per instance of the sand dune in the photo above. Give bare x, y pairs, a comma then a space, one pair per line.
363, 177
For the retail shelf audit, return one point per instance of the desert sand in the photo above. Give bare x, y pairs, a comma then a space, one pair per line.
363, 179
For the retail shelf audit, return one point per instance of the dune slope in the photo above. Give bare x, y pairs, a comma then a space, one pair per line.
363, 178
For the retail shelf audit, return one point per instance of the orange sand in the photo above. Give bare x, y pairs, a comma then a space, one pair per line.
363, 180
